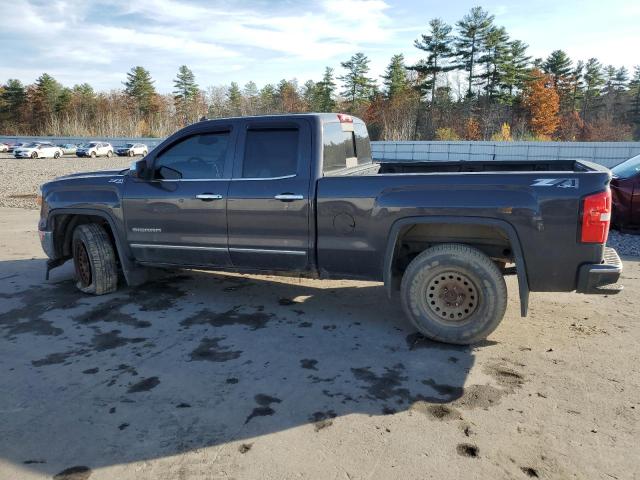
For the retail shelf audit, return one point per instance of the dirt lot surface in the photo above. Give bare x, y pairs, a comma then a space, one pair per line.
206, 375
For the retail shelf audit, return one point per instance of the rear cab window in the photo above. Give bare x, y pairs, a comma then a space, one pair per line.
345, 146
270, 152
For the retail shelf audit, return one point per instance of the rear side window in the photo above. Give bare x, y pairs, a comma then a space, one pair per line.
200, 156
270, 153
345, 149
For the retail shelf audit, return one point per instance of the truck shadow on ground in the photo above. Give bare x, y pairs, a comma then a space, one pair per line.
202, 359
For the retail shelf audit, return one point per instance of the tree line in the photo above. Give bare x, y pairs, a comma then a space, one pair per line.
473, 82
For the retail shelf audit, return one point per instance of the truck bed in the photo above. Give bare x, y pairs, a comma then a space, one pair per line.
410, 166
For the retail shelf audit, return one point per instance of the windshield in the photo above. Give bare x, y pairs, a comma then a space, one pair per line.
88, 145
628, 168
31, 145
129, 145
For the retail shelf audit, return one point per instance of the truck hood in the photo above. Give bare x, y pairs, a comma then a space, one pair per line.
96, 174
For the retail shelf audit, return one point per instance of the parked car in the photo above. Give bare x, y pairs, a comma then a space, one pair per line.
4, 147
301, 194
38, 150
95, 149
625, 193
68, 148
132, 149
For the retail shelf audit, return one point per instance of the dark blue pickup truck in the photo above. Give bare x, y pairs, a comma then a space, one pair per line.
301, 193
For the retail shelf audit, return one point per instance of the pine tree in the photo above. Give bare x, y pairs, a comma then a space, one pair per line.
48, 90
515, 70
268, 99
325, 91
438, 45
497, 49
13, 101
395, 77
609, 79
185, 93
472, 32
620, 79
593, 80
234, 96
358, 88
577, 85
139, 87
558, 65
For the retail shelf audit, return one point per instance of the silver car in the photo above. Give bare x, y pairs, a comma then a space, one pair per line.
132, 149
95, 149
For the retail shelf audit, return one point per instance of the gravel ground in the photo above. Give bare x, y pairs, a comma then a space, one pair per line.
626, 244
22, 178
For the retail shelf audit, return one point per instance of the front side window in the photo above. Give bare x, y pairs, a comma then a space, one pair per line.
270, 153
200, 156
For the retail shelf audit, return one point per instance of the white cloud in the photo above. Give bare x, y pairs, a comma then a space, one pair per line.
213, 38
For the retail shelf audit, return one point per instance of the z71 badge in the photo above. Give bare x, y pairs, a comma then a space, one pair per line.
556, 182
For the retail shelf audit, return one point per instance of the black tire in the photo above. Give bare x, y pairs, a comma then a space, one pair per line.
109, 153
93, 154
454, 293
144, 154
94, 259
56, 155
34, 155
131, 153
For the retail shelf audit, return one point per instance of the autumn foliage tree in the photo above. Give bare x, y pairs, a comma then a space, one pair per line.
542, 102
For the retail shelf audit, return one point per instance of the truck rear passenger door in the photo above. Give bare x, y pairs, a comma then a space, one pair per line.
268, 206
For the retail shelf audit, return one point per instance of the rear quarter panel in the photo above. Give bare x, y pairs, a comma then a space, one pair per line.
356, 214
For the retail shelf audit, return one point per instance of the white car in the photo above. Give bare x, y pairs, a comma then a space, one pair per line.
38, 150
95, 149
132, 149
4, 147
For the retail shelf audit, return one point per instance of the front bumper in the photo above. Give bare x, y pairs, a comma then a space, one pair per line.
46, 240
601, 278
22, 155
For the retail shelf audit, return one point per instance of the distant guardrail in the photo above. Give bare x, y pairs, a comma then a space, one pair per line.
608, 154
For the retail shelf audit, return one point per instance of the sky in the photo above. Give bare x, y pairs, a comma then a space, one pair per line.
98, 41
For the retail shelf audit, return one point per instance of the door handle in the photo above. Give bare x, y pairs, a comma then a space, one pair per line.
288, 197
208, 197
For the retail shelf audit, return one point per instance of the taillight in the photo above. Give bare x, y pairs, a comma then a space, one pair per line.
344, 118
596, 215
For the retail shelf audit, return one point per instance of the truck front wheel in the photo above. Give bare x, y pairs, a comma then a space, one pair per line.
454, 293
94, 260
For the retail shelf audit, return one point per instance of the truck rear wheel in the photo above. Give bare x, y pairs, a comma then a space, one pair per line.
454, 293
94, 260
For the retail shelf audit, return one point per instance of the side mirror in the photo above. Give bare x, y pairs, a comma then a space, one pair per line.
137, 168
